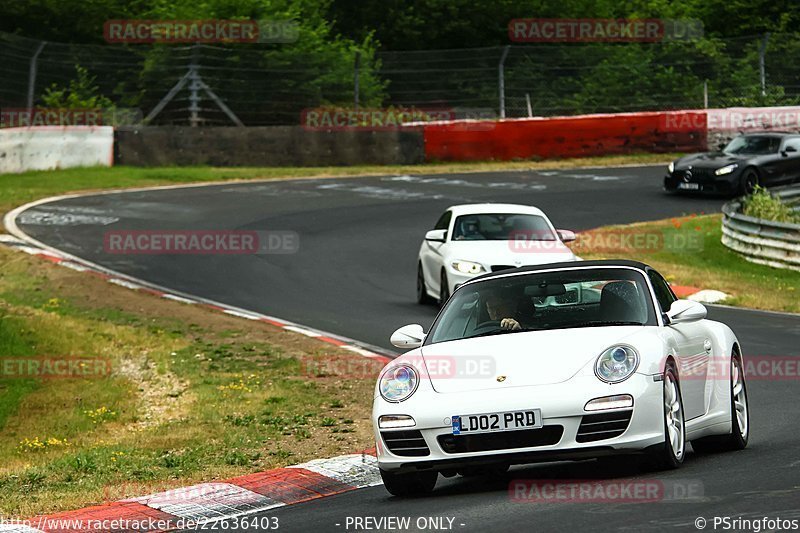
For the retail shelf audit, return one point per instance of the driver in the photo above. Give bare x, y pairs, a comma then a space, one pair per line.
501, 309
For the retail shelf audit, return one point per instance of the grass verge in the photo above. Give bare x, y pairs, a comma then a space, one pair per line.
192, 395
688, 251
17, 189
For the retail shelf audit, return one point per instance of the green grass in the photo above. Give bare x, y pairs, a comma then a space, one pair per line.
193, 395
17, 189
703, 262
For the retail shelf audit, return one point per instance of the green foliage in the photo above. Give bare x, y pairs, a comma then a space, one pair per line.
761, 204
81, 93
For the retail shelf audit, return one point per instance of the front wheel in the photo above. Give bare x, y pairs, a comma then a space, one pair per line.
749, 182
422, 290
444, 289
740, 417
669, 455
409, 484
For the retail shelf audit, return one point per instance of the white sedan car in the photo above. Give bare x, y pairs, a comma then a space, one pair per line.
561, 361
469, 240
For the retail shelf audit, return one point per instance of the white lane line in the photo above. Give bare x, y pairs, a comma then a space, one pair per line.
248, 316
303, 331
121, 282
178, 298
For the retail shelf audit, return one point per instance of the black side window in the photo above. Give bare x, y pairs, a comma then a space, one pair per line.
444, 220
664, 294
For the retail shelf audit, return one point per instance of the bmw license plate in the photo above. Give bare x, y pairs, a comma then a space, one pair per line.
491, 422
689, 186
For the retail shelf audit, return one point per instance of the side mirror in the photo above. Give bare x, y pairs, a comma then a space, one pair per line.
686, 311
721, 146
409, 337
436, 235
566, 235
789, 149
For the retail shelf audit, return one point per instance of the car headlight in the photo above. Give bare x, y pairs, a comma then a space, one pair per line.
468, 267
726, 169
671, 167
398, 383
616, 363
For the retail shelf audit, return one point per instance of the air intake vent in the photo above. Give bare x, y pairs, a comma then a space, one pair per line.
406, 443
603, 426
501, 440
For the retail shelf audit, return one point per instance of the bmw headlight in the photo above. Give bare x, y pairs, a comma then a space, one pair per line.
671, 167
398, 383
726, 169
468, 267
617, 363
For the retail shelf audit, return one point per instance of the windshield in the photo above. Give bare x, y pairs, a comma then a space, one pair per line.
546, 300
502, 227
751, 144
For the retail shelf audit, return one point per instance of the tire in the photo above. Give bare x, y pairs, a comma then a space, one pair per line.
670, 454
748, 182
444, 289
422, 291
740, 417
409, 484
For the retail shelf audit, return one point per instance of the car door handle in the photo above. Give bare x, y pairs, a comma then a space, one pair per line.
707, 345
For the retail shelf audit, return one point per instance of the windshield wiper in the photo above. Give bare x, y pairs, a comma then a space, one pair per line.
497, 332
593, 323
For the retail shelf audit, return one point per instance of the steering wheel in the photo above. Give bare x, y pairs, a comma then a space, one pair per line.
488, 323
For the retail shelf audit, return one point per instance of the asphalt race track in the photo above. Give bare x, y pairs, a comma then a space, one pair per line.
354, 275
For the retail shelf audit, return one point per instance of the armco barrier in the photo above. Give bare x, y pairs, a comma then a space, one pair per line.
587, 135
776, 244
266, 146
54, 147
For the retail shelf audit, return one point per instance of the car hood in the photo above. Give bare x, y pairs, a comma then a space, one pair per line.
524, 358
511, 253
709, 160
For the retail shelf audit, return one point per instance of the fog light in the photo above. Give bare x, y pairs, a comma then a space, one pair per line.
619, 401
395, 421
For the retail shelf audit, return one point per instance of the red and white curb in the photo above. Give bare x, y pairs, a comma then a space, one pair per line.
206, 503
75, 263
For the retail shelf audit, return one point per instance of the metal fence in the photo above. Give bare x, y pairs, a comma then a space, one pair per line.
269, 85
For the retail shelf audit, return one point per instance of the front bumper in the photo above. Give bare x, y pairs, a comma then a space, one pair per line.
703, 181
561, 405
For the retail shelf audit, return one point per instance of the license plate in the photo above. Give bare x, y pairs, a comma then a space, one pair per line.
689, 186
491, 422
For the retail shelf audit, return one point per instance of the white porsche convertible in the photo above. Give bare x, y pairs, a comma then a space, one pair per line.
555, 362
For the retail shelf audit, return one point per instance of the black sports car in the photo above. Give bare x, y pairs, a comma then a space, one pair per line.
764, 159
